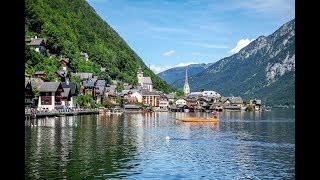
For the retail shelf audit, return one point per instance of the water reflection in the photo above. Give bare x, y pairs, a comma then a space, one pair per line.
243, 145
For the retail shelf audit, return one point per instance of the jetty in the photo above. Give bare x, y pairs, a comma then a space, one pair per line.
32, 115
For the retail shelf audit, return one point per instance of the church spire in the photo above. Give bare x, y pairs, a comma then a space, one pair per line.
186, 81
186, 87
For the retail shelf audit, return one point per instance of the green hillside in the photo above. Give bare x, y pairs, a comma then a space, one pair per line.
72, 26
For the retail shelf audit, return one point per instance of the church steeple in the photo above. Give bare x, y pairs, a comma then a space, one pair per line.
186, 87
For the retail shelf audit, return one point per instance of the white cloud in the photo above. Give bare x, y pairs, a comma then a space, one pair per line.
169, 53
185, 64
159, 69
240, 44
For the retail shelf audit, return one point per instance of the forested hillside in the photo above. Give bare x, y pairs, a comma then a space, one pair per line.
73, 26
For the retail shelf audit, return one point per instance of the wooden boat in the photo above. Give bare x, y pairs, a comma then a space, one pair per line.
195, 119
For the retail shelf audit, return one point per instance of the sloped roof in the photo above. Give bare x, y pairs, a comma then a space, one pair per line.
100, 82
66, 92
48, 86
65, 60
170, 96
39, 73
88, 83
149, 93
72, 86
84, 75
36, 42
146, 80
236, 100
62, 73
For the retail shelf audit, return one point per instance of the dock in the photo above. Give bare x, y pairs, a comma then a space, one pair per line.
29, 115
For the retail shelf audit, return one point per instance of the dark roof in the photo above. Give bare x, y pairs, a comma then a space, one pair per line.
65, 60
72, 86
49, 86
62, 73
66, 92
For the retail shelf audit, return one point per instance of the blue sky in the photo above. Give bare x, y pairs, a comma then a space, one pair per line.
169, 33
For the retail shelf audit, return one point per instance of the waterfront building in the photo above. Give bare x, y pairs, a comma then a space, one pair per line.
256, 104
50, 95
181, 101
73, 93
28, 94
163, 102
150, 98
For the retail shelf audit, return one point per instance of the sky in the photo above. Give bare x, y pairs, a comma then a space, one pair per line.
171, 33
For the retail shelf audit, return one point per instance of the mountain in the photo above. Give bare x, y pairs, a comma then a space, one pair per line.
173, 74
72, 27
264, 69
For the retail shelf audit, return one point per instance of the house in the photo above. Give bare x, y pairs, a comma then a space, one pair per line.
66, 97
181, 101
84, 55
191, 102
171, 97
64, 62
28, 94
131, 96
210, 94
163, 102
50, 95
90, 88
100, 89
73, 93
256, 104
233, 103
84, 76
38, 44
150, 98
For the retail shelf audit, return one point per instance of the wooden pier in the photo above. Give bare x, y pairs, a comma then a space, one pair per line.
51, 114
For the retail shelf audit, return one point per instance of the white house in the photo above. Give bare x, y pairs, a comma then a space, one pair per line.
181, 101
50, 95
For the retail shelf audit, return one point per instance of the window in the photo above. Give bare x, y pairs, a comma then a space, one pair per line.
46, 100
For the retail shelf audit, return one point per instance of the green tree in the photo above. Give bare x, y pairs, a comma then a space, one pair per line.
179, 93
107, 103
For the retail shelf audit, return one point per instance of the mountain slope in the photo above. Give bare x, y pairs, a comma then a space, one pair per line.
74, 26
173, 74
265, 69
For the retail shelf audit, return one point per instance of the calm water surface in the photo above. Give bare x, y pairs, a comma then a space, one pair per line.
243, 145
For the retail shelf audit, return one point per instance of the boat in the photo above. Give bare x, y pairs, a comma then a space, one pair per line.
197, 119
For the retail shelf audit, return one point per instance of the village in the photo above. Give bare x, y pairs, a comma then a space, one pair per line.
61, 97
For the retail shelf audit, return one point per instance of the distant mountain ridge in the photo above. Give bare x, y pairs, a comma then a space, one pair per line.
173, 74
264, 69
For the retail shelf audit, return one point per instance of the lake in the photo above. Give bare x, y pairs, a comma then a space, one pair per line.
243, 145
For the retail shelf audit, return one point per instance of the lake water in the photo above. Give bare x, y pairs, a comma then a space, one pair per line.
243, 145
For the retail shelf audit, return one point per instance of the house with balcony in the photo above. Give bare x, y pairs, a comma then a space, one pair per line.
50, 95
